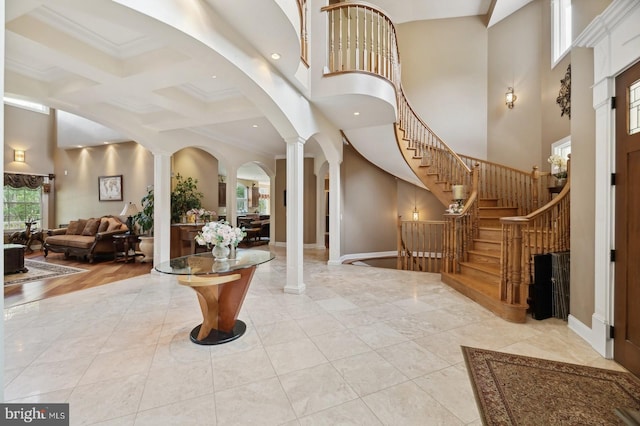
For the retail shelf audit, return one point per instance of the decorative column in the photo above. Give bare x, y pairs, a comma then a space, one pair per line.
295, 207
335, 213
161, 207
232, 184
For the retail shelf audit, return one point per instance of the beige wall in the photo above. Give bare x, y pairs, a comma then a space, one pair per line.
514, 50
32, 132
583, 140
77, 172
278, 209
444, 74
35, 134
200, 165
429, 207
369, 209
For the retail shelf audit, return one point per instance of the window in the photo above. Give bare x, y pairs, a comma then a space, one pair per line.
562, 147
560, 29
242, 198
21, 205
264, 205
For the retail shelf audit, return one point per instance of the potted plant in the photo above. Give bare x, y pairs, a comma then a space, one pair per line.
184, 197
144, 219
558, 169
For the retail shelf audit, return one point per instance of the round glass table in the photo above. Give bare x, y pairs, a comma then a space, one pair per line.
221, 287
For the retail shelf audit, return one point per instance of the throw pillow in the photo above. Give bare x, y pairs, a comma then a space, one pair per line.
81, 224
114, 225
91, 227
104, 225
72, 227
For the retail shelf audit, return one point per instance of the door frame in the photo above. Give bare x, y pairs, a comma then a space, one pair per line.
613, 36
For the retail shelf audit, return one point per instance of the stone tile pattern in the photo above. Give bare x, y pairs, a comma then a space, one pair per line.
362, 346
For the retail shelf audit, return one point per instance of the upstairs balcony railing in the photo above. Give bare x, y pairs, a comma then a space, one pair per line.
362, 39
304, 36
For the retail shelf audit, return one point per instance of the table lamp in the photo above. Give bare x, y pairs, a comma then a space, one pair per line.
129, 210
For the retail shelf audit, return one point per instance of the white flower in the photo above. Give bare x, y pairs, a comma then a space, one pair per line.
557, 161
558, 165
220, 233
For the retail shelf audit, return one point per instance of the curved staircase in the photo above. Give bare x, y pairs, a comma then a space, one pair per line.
508, 215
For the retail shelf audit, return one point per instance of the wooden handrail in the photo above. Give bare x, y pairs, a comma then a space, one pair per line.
544, 230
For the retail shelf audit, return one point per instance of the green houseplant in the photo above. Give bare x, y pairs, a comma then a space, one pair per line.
184, 197
144, 219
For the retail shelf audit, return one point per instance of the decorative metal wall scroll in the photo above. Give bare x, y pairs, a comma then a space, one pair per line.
564, 97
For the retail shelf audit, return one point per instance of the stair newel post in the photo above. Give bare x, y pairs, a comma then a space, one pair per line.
535, 188
514, 262
449, 242
475, 179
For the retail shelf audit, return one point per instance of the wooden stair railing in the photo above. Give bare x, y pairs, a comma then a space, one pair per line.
545, 230
421, 246
363, 39
432, 160
304, 36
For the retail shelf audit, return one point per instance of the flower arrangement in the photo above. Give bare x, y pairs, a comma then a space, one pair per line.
558, 166
220, 233
201, 213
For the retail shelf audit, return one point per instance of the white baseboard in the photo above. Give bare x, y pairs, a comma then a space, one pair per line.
372, 255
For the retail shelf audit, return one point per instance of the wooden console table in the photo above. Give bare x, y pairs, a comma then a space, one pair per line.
221, 287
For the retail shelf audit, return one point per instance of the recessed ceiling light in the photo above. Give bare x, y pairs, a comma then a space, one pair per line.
79, 146
254, 125
356, 113
106, 143
214, 76
275, 56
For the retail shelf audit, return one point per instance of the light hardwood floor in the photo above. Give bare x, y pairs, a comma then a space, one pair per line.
99, 273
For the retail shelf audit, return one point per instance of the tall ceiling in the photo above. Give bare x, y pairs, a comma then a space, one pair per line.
109, 64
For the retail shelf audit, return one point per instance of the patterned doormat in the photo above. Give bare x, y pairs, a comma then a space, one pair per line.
39, 271
519, 390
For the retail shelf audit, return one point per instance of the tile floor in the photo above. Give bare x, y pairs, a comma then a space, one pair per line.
363, 346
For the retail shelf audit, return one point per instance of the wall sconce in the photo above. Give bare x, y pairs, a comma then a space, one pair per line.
510, 98
18, 155
416, 214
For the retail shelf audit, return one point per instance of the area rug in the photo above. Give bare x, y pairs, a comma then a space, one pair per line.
39, 271
519, 390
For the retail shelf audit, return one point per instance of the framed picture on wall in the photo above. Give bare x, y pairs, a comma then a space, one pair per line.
110, 188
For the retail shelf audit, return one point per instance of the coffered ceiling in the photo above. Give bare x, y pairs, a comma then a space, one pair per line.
151, 83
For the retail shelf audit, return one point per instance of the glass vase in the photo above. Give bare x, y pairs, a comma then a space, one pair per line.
220, 252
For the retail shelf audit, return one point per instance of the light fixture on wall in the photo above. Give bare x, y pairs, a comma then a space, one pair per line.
416, 213
18, 155
129, 210
510, 97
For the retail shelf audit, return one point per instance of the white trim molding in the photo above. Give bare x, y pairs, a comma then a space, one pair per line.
614, 36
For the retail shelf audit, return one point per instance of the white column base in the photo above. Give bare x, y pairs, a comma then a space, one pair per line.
297, 289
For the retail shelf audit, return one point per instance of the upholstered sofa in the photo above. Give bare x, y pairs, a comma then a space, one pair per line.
85, 238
